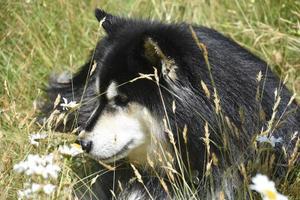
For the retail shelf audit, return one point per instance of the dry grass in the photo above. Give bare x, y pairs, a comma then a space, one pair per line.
37, 37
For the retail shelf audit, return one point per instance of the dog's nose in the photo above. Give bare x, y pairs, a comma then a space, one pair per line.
85, 145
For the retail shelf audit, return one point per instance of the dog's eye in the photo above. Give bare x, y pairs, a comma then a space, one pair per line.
121, 100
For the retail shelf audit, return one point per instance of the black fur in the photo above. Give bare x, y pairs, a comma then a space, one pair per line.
120, 56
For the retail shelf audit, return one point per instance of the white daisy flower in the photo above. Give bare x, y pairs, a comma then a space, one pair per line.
24, 194
38, 165
68, 105
271, 140
35, 188
49, 188
33, 138
28, 192
51, 171
71, 150
266, 188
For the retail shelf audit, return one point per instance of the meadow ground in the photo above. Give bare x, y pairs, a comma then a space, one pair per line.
38, 37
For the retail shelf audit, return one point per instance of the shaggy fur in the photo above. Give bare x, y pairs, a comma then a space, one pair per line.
135, 47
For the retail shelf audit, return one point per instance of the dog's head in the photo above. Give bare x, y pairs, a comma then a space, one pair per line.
136, 69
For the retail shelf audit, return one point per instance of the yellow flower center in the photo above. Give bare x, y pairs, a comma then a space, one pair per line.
75, 145
270, 194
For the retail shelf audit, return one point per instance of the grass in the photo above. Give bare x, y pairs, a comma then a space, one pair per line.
38, 37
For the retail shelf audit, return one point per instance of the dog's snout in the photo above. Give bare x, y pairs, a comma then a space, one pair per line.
86, 145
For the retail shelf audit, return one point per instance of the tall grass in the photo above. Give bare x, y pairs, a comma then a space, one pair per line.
37, 37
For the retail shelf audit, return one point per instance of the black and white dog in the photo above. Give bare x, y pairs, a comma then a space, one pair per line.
155, 94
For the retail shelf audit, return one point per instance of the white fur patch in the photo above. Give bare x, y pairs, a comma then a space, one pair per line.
126, 132
169, 69
112, 90
97, 84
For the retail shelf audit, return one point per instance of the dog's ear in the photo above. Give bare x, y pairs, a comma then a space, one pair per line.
100, 14
154, 54
110, 23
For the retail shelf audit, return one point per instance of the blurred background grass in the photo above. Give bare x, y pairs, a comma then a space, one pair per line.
38, 37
